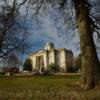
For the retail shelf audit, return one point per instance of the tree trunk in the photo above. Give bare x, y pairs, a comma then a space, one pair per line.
90, 63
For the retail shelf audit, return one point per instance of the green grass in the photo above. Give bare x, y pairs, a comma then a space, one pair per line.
50, 87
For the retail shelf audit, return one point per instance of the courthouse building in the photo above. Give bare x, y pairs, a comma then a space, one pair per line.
50, 55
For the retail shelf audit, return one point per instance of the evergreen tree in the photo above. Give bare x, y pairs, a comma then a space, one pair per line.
28, 65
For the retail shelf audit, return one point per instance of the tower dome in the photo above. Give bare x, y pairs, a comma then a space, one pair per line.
49, 45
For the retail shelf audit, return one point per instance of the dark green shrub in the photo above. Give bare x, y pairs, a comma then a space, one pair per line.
42, 69
27, 65
2, 73
53, 67
76, 69
71, 69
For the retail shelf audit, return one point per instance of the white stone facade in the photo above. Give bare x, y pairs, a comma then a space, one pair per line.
50, 55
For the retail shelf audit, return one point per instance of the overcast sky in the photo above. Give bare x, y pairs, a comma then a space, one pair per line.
50, 25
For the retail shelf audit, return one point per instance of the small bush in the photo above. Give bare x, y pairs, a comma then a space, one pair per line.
46, 72
42, 69
69, 69
53, 67
76, 69
2, 73
72, 69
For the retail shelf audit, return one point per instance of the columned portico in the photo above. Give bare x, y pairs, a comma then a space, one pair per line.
39, 63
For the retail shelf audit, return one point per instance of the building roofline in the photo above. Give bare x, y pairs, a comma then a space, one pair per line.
41, 51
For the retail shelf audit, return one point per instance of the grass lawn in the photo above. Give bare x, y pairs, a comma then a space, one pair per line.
50, 87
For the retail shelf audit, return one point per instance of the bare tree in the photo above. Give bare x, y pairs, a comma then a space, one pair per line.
12, 31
